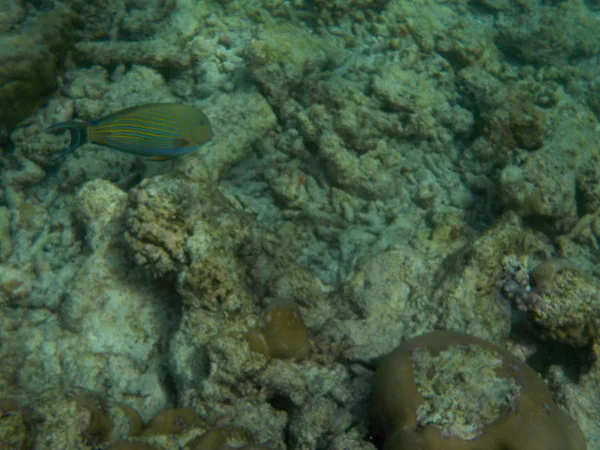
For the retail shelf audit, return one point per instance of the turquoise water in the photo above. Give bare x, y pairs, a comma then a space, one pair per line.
379, 170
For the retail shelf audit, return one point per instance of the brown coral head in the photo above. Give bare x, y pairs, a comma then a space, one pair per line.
282, 333
451, 391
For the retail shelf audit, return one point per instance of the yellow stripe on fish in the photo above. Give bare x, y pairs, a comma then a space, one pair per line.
160, 131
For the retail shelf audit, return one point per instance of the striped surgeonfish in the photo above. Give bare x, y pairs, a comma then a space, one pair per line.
160, 131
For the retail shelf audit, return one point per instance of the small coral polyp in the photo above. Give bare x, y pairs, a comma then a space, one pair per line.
451, 391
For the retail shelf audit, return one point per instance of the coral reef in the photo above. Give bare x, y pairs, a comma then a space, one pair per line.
379, 169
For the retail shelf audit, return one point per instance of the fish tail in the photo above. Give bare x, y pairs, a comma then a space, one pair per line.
79, 135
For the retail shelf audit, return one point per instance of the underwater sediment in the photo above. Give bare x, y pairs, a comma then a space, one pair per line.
379, 170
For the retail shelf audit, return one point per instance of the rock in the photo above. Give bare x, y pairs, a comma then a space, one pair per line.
29, 64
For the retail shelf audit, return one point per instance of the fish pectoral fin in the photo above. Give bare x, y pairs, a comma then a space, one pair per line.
182, 142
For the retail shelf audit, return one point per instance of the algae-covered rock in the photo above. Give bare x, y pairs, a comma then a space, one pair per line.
76, 419
582, 397
11, 14
29, 61
385, 293
348, 6
541, 168
588, 187
239, 122
15, 285
539, 188
399, 294
5, 238
466, 288
13, 429
97, 204
149, 53
129, 19
27, 72
550, 34
156, 229
281, 55
186, 230
131, 445
565, 308
113, 321
558, 295
316, 418
512, 119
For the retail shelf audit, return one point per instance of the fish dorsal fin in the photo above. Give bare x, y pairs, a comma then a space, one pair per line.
124, 112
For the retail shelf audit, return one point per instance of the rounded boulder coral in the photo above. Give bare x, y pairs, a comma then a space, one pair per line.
450, 391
